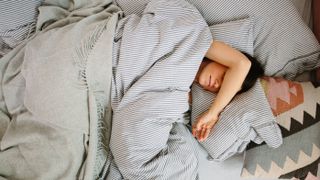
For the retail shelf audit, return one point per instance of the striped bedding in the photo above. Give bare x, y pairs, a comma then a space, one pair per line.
283, 43
246, 118
157, 59
17, 23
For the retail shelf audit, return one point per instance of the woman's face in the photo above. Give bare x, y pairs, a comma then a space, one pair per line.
210, 75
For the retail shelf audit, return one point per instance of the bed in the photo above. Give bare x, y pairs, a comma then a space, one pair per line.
39, 118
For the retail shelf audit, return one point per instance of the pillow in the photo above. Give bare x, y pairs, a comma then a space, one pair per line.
246, 118
297, 109
304, 9
234, 129
237, 34
283, 43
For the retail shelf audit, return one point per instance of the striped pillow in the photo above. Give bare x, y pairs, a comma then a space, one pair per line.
296, 106
236, 126
283, 43
246, 118
238, 34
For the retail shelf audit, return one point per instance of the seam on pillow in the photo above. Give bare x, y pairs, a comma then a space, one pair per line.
295, 59
265, 125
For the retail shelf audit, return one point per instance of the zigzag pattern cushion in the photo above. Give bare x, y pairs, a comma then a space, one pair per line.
283, 43
296, 106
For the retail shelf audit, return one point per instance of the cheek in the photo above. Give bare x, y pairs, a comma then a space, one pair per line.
202, 79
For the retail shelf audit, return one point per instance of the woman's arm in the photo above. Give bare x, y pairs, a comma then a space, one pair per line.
238, 68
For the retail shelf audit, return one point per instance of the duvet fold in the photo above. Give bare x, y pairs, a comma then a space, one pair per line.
158, 57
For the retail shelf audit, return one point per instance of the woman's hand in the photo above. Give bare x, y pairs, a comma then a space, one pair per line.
203, 125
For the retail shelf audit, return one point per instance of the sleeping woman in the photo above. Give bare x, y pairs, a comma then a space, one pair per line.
157, 57
228, 72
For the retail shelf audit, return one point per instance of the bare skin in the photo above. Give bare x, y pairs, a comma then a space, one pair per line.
224, 73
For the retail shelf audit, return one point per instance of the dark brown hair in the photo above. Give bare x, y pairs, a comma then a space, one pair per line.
256, 71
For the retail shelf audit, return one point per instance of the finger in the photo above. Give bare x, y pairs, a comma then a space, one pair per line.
199, 124
207, 133
198, 134
203, 130
193, 131
201, 134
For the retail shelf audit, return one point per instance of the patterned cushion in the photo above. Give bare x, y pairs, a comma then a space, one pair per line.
296, 106
282, 41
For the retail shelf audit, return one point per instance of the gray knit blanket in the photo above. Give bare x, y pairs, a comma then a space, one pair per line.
55, 108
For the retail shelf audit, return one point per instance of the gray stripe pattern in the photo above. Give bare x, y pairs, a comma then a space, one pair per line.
17, 22
159, 55
246, 118
237, 34
282, 41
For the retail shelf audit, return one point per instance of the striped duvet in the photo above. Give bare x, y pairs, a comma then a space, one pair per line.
155, 61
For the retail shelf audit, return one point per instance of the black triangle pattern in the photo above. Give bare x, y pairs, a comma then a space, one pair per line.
302, 173
295, 126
